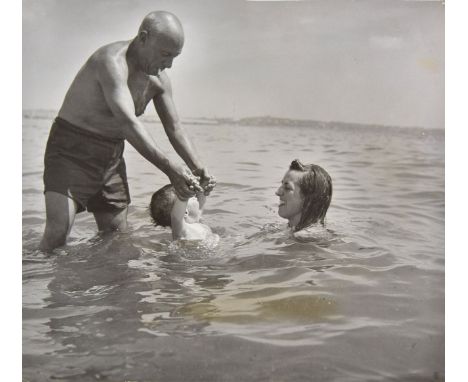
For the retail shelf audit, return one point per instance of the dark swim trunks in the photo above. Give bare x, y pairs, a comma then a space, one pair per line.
87, 167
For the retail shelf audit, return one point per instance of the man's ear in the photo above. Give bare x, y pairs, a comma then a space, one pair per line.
143, 36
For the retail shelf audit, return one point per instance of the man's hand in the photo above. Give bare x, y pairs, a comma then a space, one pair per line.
207, 181
184, 182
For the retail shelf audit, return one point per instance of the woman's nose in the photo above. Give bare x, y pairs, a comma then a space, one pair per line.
278, 192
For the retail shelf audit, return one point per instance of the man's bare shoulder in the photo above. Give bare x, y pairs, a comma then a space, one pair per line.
110, 55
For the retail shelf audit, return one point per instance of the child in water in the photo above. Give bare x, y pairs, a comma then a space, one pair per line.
183, 216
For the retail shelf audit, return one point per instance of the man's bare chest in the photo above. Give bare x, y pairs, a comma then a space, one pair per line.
143, 90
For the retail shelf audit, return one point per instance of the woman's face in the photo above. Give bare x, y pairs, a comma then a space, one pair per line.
291, 199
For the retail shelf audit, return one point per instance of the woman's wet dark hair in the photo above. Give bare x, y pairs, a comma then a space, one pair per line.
316, 188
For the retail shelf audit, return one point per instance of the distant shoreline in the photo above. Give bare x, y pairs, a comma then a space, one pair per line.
247, 121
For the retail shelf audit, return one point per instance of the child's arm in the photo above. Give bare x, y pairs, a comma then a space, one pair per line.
201, 197
177, 218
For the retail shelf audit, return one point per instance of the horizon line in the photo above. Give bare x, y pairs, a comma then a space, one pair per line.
237, 119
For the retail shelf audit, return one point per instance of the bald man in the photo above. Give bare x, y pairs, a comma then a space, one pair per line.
84, 166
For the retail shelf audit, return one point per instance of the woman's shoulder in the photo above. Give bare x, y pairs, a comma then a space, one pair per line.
315, 232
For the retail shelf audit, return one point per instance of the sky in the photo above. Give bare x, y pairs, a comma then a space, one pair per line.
373, 62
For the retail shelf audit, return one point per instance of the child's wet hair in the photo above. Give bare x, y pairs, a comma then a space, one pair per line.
316, 188
161, 205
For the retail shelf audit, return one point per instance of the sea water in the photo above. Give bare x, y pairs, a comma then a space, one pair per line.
359, 300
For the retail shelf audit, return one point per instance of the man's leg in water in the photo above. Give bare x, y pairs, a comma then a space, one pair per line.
60, 215
111, 220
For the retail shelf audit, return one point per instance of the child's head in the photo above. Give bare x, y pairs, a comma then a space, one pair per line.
161, 205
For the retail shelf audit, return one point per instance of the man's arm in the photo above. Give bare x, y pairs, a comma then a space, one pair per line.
179, 139
112, 77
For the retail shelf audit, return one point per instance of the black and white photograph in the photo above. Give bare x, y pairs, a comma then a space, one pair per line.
233, 190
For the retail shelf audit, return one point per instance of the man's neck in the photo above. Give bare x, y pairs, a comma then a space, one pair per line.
132, 57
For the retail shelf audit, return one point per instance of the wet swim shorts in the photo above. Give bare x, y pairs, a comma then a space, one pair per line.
87, 167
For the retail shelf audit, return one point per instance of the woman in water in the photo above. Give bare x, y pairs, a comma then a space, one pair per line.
305, 195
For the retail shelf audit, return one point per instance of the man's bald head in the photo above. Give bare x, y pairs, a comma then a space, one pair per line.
160, 39
163, 24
